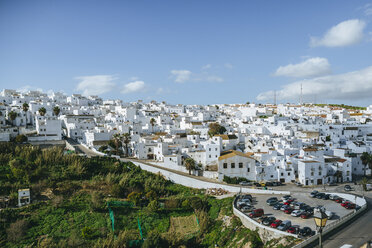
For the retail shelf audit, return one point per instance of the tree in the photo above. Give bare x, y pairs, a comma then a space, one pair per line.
366, 160
152, 122
25, 107
126, 140
42, 111
116, 138
17, 230
190, 164
56, 110
215, 128
21, 138
12, 115
154, 239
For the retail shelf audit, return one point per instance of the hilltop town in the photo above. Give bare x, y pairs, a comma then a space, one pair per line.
306, 144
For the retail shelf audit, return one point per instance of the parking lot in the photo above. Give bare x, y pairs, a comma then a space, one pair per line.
259, 201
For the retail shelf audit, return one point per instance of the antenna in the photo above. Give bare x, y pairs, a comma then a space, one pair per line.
301, 96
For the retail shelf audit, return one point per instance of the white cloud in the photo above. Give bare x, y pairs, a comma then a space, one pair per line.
27, 88
181, 76
343, 34
228, 65
309, 68
95, 85
213, 79
352, 86
368, 9
206, 67
132, 87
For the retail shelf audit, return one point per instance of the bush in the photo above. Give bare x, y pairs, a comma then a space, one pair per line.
21, 138
17, 230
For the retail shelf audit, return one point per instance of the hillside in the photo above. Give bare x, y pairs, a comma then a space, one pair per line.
69, 205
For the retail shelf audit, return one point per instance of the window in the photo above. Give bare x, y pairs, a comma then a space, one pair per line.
240, 165
320, 173
289, 173
312, 173
282, 174
216, 149
210, 149
232, 165
210, 156
225, 165
248, 169
271, 176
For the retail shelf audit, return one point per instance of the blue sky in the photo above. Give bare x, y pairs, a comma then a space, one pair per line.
192, 52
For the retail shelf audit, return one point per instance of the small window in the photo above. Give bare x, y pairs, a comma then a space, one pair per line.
281, 174
232, 165
248, 169
240, 165
225, 165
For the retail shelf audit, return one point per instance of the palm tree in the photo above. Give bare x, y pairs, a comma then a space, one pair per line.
366, 160
190, 164
117, 139
152, 122
12, 116
56, 110
25, 107
126, 138
42, 111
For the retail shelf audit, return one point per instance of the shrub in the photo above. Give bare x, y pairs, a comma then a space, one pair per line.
17, 230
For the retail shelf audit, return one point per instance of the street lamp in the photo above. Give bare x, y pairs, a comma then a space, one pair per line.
320, 221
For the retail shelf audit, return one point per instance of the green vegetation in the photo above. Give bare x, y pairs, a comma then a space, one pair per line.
215, 128
69, 205
234, 180
342, 106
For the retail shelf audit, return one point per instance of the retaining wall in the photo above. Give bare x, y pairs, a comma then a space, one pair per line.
200, 184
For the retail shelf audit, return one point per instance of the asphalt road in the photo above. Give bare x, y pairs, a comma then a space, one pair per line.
355, 233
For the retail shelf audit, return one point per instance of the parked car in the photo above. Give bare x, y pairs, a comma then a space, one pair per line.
257, 184
298, 205
319, 209
278, 206
288, 201
296, 213
277, 184
314, 193
285, 207
284, 225
268, 220
330, 214
272, 201
319, 195
347, 187
306, 215
333, 197
293, 229
247, 196
245, 183
305, 231
276, 223
246, 208
345, 203
339, 200
269, 184
325, 197
288, 210
350, 206
298, 184
332, 184
286, 197
256, 213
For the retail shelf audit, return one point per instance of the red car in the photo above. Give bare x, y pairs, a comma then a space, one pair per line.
350, 206
256, 213
305, 215
288, 211
276, 223
293, 230
345, 203
339, 200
